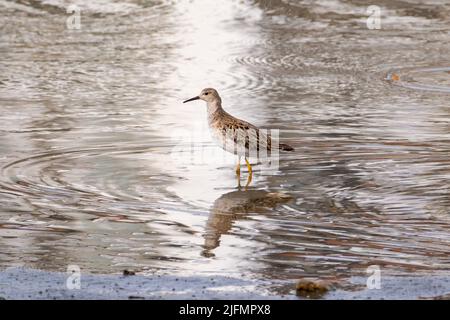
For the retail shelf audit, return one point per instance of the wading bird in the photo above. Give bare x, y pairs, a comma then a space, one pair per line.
235, 135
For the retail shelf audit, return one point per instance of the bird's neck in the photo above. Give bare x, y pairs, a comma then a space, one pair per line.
214, 107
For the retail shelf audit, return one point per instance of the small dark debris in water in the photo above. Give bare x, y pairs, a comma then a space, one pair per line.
311, 289
128, 273
136, 298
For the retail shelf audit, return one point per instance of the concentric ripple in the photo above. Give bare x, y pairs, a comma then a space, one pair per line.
57, 173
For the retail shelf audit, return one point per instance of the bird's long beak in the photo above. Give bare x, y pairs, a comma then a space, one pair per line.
192, 99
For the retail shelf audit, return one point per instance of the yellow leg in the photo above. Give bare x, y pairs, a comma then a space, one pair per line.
250, 173
249, 167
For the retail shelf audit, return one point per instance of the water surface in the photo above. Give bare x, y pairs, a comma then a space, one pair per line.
103, 166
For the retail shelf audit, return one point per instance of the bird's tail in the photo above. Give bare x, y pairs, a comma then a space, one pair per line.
286, 147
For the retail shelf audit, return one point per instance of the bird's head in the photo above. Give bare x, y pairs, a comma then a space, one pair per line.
208, 95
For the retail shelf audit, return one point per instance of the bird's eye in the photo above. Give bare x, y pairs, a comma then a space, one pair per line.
206, 93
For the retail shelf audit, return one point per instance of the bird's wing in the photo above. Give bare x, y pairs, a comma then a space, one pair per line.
247, 134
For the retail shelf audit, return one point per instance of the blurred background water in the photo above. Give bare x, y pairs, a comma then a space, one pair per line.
91, 120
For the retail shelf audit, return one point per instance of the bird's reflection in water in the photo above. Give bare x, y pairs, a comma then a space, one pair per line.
236, 205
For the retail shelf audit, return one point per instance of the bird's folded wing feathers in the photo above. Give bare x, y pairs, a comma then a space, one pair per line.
247, 135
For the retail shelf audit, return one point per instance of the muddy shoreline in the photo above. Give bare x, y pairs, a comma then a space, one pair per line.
23, 283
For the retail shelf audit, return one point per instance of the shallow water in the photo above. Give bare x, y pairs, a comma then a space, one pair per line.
103, 167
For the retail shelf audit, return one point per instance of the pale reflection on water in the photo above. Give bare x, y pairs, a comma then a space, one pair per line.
91, 118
